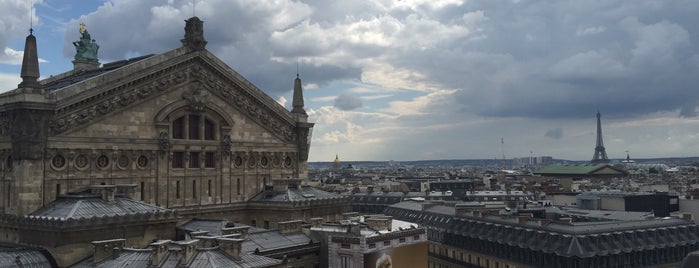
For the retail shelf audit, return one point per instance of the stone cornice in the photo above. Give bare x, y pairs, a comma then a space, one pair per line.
51, 223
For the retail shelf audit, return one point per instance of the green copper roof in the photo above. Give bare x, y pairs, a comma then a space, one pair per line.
574, 169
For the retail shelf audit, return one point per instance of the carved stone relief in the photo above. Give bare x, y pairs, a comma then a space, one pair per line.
202, 79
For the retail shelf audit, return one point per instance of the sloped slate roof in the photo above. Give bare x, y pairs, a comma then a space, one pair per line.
88, 206
273, 239
294, 194
72, 77
210, 258
10, 257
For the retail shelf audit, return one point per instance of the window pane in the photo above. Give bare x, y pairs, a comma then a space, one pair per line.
178, 128
194, 127
209, 130
194, 159
177, 159
209, 160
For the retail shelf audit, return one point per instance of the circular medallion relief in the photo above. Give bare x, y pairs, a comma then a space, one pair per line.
81, 161
251, 161
287, 161
238, 161
102, 161
123, 161
264, 161
58, 162
276, 162
142, 161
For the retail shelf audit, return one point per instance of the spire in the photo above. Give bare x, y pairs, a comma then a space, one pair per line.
30, 64
194, 34
297, 102
600, 156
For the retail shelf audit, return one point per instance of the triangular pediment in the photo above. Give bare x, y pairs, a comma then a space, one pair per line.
85, 102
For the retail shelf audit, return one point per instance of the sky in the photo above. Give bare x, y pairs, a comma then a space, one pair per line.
422, 79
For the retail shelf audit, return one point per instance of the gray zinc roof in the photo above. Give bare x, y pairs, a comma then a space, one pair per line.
88, 206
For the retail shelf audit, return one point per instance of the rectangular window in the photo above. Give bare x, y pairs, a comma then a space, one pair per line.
386, 243
345, 246
209, 161
177, 189
372, 245
253, 223
178, 160
194, 160
143, 192
178, 128
237, 185
401, 240
266, 224
345, 262
417, 237
194, 127
58, 189
209, 130
194, 189
209, 188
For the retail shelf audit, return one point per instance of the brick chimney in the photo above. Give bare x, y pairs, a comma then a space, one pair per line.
106, 248
231, 246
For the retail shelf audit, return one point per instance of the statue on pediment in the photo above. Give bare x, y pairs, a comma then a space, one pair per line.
86, 48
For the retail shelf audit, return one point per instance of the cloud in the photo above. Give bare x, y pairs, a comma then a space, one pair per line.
347, 102
9, 81
427, 73
554, 133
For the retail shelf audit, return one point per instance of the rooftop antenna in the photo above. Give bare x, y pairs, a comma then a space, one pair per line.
31, 17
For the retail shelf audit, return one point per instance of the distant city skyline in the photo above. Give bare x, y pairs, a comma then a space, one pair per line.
420, 79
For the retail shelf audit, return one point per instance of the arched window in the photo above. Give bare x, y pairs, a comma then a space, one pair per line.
193, 127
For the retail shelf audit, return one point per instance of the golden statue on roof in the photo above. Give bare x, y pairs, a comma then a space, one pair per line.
86, 48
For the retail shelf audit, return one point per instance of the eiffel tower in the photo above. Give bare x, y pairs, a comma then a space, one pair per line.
600, 156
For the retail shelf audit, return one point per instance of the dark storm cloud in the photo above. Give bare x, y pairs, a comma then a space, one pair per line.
347, 102
536, 59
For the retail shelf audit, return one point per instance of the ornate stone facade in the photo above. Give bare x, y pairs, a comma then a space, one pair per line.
182, 129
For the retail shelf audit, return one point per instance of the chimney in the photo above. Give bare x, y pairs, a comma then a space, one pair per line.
242, 230
206, 241
189, 249
106, 192
379, 223
523, 218
566, 219
287, 227
349, 215
688, 216
105, 249
192, 235
231, 246
159, 251
316, 222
